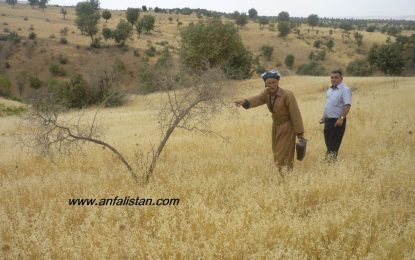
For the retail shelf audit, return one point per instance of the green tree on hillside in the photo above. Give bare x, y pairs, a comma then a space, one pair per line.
214, 44
289, 61
283, 17
123, 31
388, 58
267, 51
64, 12
312, 20
263, 21
42, 4
360, 68
11, 2
148, 23
241, 20
358, 38
132, 15
33, 3
253, 14
106, 15
87, 18
330, 44
106, 33
284, 28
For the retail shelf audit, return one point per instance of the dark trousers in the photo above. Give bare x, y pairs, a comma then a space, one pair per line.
333, 136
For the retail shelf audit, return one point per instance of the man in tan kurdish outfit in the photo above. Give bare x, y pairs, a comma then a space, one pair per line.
286, 118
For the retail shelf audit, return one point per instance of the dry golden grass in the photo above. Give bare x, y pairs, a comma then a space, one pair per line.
233, 202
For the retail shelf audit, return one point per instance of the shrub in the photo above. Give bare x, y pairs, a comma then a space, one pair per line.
151, 51
123, 31
330, 44
388, 58
289, 61
32, 36
106, 33
64, 31
11, 111
146, 76
317, 44
76, 93
35, 82
260, 69
5, 86
63, 40
96, 43
57, 70
284, 28
312, 69
371, 28
267, 51
62, 59
359, 68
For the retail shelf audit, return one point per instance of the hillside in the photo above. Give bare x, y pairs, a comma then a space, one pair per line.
35, 57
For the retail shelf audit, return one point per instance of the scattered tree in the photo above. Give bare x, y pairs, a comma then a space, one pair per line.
359, 68
106, 33
123, 31
147, 23
330, 44
11, 2
289, 61
241, 20
283, 17
132, 15
33, 3
213, 44
42, 4
253, 14
64, 12
55, 134
388, 58
284, 28
106, 14
358, 38
267, 51
87, 18
312, 20
262, 22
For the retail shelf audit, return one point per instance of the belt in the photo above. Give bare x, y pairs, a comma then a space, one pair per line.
280, 119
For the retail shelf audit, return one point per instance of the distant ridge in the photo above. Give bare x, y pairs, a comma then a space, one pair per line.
378, 17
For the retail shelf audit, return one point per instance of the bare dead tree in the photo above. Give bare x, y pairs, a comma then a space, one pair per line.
56, 133
189, 108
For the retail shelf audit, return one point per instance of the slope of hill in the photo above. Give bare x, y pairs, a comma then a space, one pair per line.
35, 58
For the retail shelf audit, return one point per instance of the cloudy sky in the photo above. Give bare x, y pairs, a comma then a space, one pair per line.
302, 8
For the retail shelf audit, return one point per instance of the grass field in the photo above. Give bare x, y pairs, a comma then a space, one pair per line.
233, 203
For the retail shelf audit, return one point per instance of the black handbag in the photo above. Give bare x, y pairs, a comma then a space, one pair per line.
300, 148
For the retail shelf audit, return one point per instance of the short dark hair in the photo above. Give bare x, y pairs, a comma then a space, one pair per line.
339, 71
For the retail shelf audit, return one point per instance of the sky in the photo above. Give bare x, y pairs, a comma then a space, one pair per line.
297, 8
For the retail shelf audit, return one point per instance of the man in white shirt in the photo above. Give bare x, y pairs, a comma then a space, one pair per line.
338, 103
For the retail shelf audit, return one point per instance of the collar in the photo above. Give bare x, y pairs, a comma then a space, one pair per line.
338, 86
279, 92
